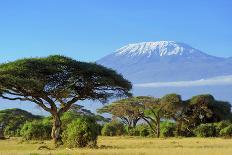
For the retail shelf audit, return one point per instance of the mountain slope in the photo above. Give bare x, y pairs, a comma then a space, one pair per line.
165, 61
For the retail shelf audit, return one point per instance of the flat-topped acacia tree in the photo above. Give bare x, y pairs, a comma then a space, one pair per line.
56, 82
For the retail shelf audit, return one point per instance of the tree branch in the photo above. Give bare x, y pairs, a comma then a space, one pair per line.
68, 105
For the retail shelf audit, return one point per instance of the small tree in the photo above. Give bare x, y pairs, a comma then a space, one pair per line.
152, 112
128, 110
55, 83
155, 109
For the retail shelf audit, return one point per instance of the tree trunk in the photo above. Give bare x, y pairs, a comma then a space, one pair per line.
179, 127
158, 128
56, 130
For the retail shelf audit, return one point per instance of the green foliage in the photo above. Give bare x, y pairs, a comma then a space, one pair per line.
132, 131
167, 129
59, 77
72, 114
221, 111
67, 118
81, 132
142, 130
227, 131
204, 109
128, 110
12, 120
113, 128
205, 130
36, 130
221, 125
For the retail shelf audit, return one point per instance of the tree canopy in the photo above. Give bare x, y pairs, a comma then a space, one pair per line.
128, 110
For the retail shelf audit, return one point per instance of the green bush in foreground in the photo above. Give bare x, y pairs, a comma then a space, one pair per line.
140, 130
205, 130
167, 129
226, 132
143, 130
221, 125
81, 132
113, 128
36, 130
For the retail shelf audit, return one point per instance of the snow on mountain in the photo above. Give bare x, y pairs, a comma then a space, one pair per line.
165, 61
159, 48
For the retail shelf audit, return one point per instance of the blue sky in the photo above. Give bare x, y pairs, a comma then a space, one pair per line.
90, 29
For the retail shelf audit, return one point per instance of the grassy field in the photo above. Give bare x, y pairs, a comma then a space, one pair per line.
126, 146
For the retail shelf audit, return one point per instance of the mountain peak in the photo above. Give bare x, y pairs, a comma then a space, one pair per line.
165, 61
158, 48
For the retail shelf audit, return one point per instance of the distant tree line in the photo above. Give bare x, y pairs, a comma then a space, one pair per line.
179, 117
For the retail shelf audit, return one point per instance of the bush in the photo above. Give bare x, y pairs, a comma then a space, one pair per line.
143, 130
140, 130
36, 130
226, 132
221, 125
81, 132
12, 132
167, 129
205, 130
67, 118
113, 128
12, 121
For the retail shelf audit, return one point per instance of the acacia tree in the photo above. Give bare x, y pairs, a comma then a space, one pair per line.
203, 109
174, 108
152, 112
132, 109
128, 110
56, 82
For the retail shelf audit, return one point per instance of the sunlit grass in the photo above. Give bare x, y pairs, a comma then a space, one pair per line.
127, 146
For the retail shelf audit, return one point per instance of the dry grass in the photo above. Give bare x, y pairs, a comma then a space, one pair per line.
127, 146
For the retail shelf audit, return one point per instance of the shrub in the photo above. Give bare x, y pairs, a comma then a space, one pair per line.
167, 129
205, 130
132, 131
81, 132
12, 121
11, 131
113, 128
227, 131
143, 130
36, 130
67, 118
221, 125
140, 130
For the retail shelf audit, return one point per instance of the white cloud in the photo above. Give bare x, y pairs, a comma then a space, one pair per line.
220, 80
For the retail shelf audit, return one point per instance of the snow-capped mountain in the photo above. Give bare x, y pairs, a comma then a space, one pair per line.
160, 48
165, 61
